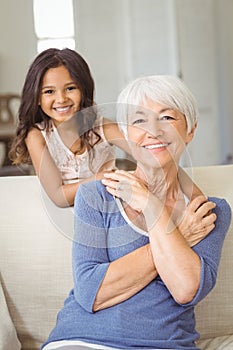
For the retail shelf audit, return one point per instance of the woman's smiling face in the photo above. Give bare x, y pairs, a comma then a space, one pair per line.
157, 134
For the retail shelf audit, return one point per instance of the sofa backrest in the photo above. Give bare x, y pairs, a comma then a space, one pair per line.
35, 257
214, 315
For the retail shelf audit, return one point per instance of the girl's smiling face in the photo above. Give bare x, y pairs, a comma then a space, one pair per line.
60, 96
157, 134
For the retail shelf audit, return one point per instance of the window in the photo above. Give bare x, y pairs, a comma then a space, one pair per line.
54, 24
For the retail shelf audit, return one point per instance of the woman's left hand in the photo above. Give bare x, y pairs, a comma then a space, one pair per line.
128, 187
198, 220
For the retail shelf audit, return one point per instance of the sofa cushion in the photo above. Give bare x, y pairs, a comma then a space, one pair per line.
35, 258
214, 314
8, 336
218, 343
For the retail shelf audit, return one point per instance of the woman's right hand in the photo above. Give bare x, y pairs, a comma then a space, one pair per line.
128, 187
198, 220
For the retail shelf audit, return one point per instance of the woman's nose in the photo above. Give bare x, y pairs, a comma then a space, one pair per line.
154, 128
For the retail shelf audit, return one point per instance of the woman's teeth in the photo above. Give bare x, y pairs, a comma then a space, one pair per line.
160, 145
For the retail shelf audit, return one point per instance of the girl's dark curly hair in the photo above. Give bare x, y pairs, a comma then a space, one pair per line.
31, 113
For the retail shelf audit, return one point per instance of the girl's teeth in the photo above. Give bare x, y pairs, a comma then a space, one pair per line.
62, 109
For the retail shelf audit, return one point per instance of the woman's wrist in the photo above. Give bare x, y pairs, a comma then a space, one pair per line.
156, 215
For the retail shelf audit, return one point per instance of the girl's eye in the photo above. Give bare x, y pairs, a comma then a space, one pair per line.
70, 88
48, 92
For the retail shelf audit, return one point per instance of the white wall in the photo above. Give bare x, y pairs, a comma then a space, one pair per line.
125, 39
18, 43
122, 39
196, 23
97, 41
224, 54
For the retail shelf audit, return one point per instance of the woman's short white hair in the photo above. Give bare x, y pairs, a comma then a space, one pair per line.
164, 89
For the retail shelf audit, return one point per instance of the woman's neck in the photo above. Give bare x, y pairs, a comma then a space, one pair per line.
162, 182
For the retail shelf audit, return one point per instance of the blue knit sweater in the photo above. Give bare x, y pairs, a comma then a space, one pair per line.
151, 318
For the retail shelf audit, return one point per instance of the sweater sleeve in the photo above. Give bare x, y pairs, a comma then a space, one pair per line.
210, 248
90, 257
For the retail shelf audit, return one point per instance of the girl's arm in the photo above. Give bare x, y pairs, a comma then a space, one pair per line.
114, 135
61, 194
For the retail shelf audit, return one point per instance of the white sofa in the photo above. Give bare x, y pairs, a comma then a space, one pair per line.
35, 263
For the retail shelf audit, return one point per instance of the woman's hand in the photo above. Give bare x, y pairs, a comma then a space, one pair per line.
128, 187
198, 220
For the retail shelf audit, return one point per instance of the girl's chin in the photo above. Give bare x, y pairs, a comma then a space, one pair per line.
62, 119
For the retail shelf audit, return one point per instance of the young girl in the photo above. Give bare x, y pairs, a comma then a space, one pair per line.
64, 139
59, 130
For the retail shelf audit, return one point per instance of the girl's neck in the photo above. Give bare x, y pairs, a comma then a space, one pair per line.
67, 125
69, 134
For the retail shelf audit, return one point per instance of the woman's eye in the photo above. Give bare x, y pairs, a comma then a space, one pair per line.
138, 121
166, 117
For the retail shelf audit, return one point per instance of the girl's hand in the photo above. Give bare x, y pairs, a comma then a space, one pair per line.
101, 174
198, 220
128, 187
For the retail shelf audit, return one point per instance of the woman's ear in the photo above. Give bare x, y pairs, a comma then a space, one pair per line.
191, 134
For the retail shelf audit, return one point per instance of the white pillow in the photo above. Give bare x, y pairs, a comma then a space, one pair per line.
8, 336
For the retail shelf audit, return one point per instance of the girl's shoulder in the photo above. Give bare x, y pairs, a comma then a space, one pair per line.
34, 132
98, 127
34, 138
45, 125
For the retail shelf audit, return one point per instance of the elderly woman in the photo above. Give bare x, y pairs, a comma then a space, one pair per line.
138, 274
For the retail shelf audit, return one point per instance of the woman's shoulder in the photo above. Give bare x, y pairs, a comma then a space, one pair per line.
95, 189
223, 209
220, 202
216, 238
93, 196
